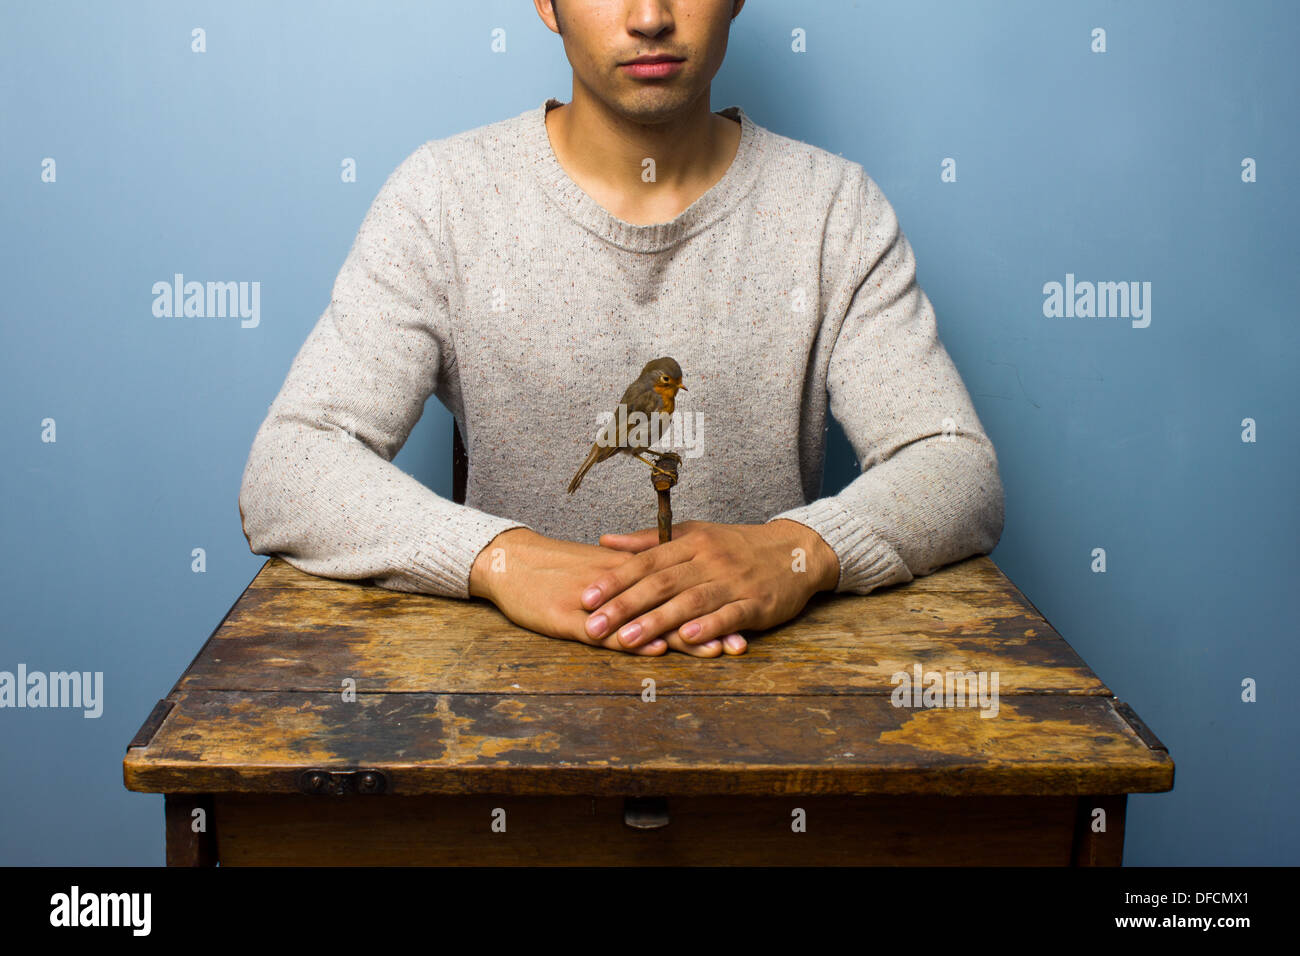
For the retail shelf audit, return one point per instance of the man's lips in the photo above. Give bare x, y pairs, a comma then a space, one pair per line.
655, 58
652, 67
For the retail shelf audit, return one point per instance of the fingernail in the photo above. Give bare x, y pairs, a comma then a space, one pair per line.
630, 633
691, 629
734, 641
591, 595
596, 625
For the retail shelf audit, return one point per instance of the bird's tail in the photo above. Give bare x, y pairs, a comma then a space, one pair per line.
592, 457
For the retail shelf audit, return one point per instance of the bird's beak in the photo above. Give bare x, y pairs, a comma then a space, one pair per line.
681, 386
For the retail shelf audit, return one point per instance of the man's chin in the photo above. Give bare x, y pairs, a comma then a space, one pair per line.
653, 106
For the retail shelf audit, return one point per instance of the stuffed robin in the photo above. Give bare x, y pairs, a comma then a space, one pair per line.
653, 395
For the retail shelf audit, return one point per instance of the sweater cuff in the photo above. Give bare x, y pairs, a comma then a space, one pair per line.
867, 561
443, 564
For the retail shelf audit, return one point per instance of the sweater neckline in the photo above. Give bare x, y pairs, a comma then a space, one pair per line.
715, 203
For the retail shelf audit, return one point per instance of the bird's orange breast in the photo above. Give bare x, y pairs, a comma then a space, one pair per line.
668, 394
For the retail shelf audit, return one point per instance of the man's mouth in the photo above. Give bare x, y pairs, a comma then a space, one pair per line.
655, 58
652, 67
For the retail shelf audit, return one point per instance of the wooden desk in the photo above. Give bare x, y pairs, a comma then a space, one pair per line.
462, 722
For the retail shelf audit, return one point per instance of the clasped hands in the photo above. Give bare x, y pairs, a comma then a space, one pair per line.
693, 594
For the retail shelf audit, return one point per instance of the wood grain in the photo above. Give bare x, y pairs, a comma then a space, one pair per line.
462, 712
310, 638
232, 741
261, 830
189, 842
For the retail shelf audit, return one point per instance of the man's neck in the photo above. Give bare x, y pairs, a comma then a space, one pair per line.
604, 153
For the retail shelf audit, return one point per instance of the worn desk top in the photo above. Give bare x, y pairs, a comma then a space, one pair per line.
453, 698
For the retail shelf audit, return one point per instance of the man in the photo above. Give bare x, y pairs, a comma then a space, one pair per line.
525, 271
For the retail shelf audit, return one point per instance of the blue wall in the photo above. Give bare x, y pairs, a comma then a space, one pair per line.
1117, 166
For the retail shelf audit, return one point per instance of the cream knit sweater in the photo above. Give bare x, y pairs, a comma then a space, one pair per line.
484, 275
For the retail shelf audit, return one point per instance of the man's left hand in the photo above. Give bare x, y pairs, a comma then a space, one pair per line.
711, 581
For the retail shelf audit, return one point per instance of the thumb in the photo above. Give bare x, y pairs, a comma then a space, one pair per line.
633, 541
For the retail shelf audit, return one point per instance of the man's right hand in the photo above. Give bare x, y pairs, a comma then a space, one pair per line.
536, 582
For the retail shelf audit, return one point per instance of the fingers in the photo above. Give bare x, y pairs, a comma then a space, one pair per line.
612, 643
634, 541
709, 649
728, 619
734, 644
615, 581
653, 649
731, 644
570, 628
650, 592
655, 557
696, 616
642, 538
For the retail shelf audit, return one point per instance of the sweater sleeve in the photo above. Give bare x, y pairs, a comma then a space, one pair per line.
319, 488
929, 493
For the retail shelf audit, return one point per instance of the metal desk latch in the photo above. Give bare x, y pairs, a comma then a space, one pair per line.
645, 813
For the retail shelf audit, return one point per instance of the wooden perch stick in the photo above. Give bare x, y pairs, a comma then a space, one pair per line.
663, 483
